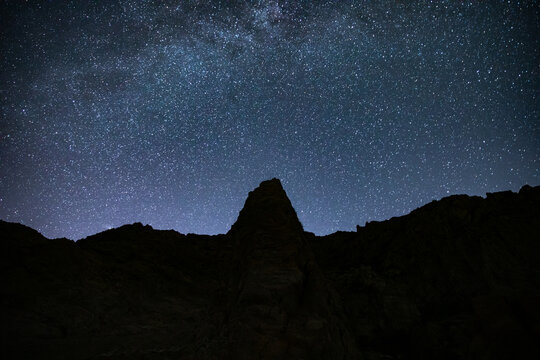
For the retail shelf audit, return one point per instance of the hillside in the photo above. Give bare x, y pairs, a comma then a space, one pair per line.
456, 278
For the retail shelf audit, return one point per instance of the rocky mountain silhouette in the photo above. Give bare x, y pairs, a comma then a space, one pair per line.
457, 278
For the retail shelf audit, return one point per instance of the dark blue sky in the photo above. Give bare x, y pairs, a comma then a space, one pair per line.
121, 111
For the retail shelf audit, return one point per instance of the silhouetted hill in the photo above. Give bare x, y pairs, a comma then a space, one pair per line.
457, 278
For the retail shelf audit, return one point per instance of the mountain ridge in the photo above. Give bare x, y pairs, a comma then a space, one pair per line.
455, 278
524, 188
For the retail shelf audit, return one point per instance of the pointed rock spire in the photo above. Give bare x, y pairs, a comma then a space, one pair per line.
268, 208
280, 305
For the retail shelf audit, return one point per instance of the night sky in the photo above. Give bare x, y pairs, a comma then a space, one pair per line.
170, 112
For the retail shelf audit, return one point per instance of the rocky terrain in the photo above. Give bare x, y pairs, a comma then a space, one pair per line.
457, 278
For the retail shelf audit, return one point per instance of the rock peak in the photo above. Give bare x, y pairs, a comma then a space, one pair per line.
273, 264
268, 207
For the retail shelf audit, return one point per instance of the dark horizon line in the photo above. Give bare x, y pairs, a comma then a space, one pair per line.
358, 226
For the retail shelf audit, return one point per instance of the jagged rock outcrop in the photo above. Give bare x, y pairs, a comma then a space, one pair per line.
457, 278
281, 304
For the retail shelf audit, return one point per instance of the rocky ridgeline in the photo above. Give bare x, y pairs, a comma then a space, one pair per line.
457, 278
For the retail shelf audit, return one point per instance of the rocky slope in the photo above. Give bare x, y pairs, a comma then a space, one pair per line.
457, 278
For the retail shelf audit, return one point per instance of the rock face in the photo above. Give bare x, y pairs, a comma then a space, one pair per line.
281, 305
458, 279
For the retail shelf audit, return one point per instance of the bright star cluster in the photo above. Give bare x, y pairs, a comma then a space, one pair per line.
170, 112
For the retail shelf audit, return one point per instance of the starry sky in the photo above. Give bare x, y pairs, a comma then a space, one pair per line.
170, 112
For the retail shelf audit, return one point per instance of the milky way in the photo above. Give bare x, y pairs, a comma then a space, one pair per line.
169, 113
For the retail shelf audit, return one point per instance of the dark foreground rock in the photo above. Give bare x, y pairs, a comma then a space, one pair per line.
458, 278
